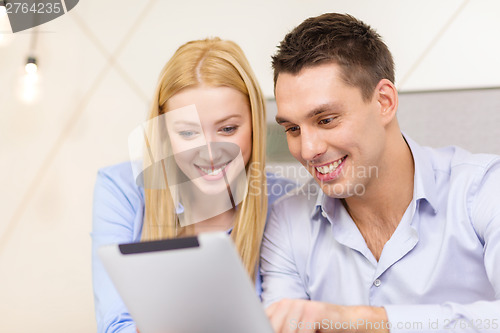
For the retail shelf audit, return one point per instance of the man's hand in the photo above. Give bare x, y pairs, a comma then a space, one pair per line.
291, 315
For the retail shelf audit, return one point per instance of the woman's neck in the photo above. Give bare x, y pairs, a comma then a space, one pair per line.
221, 222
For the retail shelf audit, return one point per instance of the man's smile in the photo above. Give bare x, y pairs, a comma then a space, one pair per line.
330, 170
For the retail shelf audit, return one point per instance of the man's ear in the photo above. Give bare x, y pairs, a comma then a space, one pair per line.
387, 98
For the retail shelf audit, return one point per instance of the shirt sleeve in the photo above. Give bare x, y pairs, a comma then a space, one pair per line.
276, 188
281, 278
116, 207
481, 316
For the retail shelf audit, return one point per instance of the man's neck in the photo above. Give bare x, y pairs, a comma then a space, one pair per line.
378, 212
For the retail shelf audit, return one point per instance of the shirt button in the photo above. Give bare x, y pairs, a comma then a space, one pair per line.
377, 283
324, 214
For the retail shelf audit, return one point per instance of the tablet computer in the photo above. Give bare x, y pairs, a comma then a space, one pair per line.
186, 285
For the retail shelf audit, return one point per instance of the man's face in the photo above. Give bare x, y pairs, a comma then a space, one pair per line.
331, 130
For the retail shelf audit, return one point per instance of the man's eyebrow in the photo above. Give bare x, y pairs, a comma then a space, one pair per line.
323, 108
281, 120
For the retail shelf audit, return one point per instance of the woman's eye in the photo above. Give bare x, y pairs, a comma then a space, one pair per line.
228, 129
188, 134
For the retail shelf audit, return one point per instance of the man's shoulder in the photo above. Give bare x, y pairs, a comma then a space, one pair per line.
278, 186
301, 197
461, 173
294, 210
456, 160
476, 161
277, 180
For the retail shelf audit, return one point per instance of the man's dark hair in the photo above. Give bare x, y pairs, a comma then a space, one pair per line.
363, 57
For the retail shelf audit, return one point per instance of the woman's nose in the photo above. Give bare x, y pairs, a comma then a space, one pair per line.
211, 152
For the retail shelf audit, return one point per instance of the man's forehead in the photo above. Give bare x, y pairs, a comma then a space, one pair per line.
329, 69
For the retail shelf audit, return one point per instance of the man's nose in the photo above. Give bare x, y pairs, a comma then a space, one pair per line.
312, 144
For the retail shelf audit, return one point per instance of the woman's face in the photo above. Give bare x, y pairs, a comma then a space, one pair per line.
210, 130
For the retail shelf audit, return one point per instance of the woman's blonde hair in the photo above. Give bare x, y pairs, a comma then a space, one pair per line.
214, 62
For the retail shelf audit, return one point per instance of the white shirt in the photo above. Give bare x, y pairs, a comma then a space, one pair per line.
440, 270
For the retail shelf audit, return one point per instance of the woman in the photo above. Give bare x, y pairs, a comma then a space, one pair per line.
212, 83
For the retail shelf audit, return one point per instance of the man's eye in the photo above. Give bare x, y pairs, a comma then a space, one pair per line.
188, 134
326, 120
292, 129
228, 129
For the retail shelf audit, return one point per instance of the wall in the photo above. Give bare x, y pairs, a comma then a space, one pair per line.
98, 68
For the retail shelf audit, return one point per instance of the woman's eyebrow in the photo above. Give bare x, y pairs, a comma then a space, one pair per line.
227, 118
186, 122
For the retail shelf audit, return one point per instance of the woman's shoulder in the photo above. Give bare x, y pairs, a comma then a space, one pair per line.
119, 179
120, 171
118, 204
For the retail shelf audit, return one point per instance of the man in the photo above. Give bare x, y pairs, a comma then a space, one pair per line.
390, 236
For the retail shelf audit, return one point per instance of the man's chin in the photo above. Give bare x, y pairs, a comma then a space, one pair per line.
343, 190
336, 191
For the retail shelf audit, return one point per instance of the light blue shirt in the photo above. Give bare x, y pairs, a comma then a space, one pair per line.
440, 270
118, 212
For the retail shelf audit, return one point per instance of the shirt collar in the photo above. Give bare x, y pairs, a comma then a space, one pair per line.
424, 181
323, 202
320, 201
